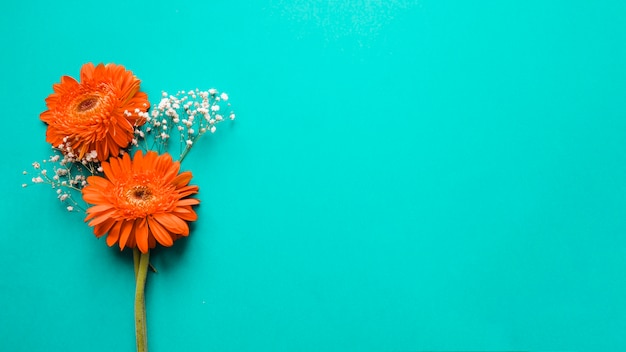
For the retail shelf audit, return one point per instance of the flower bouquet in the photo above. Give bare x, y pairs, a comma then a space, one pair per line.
113, 160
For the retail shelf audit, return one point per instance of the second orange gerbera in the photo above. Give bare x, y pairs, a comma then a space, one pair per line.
96, 114
141, 202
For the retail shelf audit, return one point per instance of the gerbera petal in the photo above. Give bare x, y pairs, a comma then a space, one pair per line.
114, 149
125, 163
98, 182
148, 161
68, 84
99, 208
114, 233
99, 218
115, 167
102, 149
160, 233
172, 223
84, 149
101, 229
106, 167
187, 191
86, 72
93, 196
138, 161
89, 216
186, 214
141, 235
47, 117
131, 243
182, 179
188, 201
99, 72
165, 166
125, 232
119, 136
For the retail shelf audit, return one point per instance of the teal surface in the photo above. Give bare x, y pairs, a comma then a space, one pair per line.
402, 176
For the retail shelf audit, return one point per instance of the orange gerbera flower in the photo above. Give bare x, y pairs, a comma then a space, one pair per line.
98, 113
141, 201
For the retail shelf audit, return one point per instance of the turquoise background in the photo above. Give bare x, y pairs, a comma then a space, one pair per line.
401, 176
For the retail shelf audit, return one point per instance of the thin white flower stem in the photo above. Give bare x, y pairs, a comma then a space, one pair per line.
184, 154
78, 206
188, 147
140, 302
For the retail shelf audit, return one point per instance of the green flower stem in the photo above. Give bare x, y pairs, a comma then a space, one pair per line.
136, 256
140, 302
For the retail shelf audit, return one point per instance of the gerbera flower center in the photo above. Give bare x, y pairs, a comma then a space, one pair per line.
87, 104
139, 195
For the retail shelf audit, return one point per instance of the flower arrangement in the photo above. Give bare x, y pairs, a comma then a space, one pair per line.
112, 160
